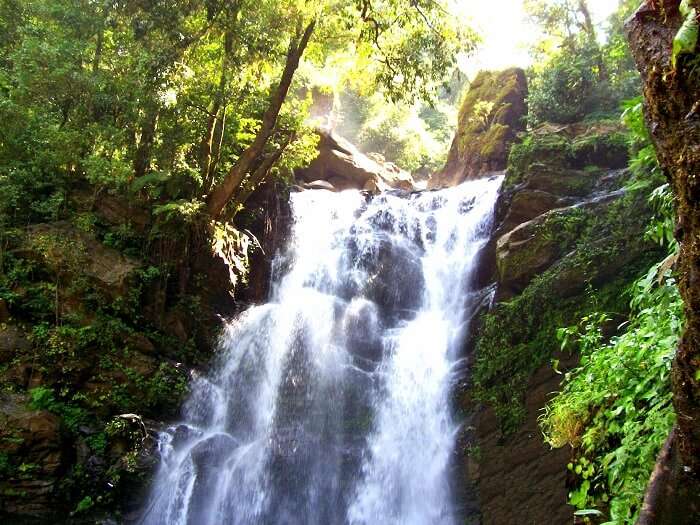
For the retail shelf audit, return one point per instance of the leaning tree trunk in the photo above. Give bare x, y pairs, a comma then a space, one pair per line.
222, 193
673, 117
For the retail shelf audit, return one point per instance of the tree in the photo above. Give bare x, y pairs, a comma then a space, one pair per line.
577, 75
194, 101
670, 109
413, 45
566, 21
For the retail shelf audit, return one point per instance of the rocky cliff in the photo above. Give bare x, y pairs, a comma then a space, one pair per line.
101, 317
568, 239
341, 166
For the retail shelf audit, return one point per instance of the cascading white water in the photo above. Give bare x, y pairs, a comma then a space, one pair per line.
330, 404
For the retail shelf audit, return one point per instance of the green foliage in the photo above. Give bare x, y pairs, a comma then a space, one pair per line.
83, 505
415, 136
567, 89
43, 398
157, 102
647, 174
686, 40
615, 409
601, 144
576, 78
520, 335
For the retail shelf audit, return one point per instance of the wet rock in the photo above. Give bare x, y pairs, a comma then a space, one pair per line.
212, 452
395, 279
182, 434
362, 330
319, 185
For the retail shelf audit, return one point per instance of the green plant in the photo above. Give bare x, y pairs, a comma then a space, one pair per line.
686, 40
615, 409
43, 398
84, 504
506, 358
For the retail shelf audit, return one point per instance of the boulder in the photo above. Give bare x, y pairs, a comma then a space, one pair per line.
13, 341
394, 279
73, 253
491, 115
341, 165
559, 166
118, 211
575, 148
362, 331
528, 204
562, 182
536, 245
319, 185
36, 455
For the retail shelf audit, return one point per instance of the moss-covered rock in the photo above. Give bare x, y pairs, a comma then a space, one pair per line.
585, 257
602, 145
490, 116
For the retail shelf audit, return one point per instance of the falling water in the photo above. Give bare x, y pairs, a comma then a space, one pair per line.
330, 404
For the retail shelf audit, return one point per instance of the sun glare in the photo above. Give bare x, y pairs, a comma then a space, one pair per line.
507, 34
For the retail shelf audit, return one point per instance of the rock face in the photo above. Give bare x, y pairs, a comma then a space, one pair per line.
35, 439
674, 121
491, 115
564, 224
341, 165
70, 251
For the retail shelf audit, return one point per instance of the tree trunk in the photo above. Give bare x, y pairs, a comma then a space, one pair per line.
207, 142
672, 113
589, 28
222, 194
142, 159
259, 176
208, 147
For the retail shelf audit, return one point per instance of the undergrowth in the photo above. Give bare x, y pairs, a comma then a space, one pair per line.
615, 410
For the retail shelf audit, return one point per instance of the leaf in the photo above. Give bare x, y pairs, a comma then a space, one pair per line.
588, 512
686, 39
685, 8
154, 178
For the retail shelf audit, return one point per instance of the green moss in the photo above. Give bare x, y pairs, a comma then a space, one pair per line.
519, 336
558, 233
602, 149
601, 145
493, 140
554, 148
484, 113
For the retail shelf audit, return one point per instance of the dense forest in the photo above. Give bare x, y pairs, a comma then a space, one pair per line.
149, 153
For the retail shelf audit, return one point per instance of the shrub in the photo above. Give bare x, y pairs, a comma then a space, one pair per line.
615, 409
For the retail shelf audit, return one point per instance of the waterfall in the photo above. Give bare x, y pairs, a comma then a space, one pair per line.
330, 404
